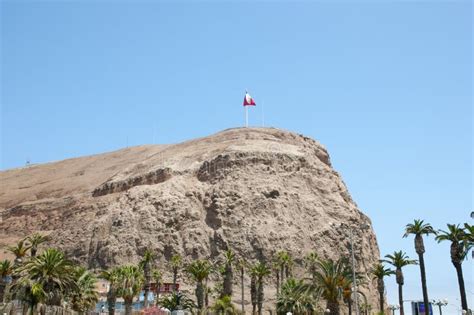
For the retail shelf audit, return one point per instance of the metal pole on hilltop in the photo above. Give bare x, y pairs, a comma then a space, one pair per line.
246, 116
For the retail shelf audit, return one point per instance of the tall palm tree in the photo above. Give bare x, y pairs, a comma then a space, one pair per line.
30, 293
419, 228
253, 291
242, 264
379, 272
19, 250
276, 270
129, 284
51, 272
311, 263
327, 282
176, 263
229, 258
85, 296
112, 277
224, 306
146, 265
158, 278
199, 270
285, 261
260, 270
35, 241
399, 260
6, 269
296, 298
456, 235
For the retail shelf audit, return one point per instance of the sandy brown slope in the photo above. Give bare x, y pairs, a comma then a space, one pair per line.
253, 190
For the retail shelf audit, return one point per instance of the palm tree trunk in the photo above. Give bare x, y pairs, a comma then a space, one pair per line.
242, 287
426, 301
111, 298
333, 308
2, 290
128, 307
278, 282
145, 295
462, 289
200, 294
260, 296
400, 299
175, 278
349, 306
381, 301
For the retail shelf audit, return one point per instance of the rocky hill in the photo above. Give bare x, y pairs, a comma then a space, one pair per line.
253, 190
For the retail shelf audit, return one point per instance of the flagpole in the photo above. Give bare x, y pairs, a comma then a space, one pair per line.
246, 116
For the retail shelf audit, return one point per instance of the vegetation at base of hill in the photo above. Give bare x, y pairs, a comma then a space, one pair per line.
48, 278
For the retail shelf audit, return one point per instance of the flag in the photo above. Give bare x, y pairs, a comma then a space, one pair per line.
248, 100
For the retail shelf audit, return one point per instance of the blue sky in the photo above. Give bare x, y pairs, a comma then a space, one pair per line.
385, 86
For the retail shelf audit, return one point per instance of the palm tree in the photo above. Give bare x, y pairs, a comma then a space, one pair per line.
157, 277
276, 270
177, 300
30, 293
129, 284
35, 241
242, 264
229, 258
419, 228
53, 272
311, 262
6, 269
85, 297
112, 277
399, 260
176, 263
224, 306
296, 298
260, 271
457, 236
19, 250
146, 265
328, 280
285, 262
253, 291
379, 272
199, 270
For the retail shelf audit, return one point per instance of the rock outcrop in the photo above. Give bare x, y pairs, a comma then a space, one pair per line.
253, 190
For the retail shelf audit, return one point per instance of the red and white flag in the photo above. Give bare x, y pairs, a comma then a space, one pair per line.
248, 100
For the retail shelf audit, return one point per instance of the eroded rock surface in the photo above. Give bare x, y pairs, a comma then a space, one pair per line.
254, 190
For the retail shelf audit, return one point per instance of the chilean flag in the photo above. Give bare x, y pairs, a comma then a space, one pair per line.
248, 100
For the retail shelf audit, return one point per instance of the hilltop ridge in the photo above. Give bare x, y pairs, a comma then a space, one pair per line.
252, 190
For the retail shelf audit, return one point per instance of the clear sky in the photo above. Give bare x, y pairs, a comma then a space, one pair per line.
385, 85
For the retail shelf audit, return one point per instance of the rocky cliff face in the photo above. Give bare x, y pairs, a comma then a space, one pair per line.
253, 190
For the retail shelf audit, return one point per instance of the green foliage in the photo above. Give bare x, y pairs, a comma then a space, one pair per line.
399, 259
85, 296
418, 227
173, 301
50, 272
224, 306
19, 250
297, 298
35, 240
129, 282
380, 271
